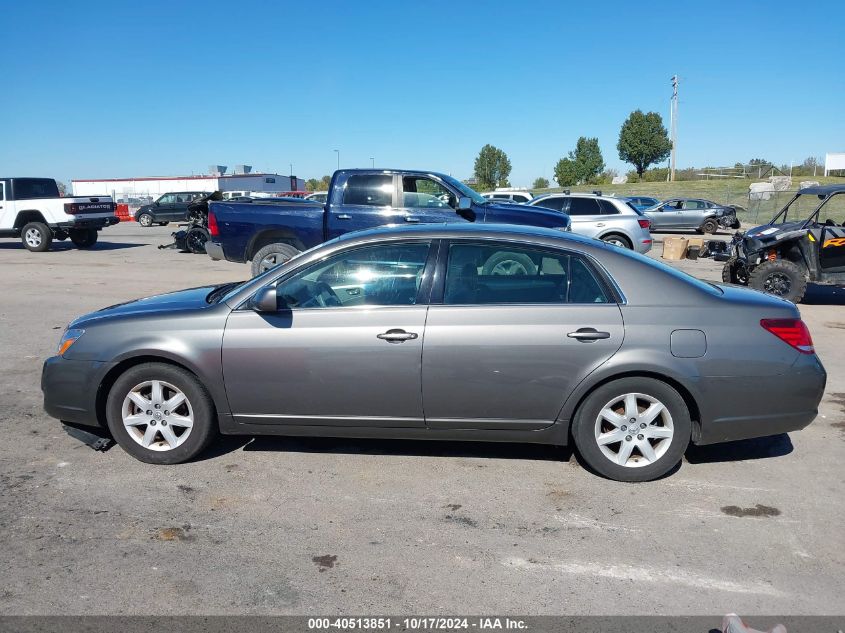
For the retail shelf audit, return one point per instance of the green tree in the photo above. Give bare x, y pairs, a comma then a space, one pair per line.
643, 140
583, 165
312, 184
492, 168
541, 183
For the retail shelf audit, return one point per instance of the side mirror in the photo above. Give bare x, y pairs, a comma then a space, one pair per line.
464, 203
265, 300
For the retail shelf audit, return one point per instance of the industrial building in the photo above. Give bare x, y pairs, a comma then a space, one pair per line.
241, 179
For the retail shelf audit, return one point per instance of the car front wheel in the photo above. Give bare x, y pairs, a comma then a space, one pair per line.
781, 278
160, 414
632, 429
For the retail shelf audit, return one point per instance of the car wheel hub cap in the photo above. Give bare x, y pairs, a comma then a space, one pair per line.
777, 283
157, 415
509, 267
634, 430
33, 237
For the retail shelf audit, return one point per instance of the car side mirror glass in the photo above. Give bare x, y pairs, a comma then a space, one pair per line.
464, 203
266, 300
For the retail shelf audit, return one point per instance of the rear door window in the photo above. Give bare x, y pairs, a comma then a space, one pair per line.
35, 188
502, 273
584, 206
374, 190
608, 208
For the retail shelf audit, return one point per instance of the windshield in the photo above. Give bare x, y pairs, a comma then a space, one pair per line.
477, 198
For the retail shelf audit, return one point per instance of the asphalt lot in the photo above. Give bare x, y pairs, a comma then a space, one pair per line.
388, 527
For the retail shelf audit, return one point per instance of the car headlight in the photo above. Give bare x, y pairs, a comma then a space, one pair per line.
69, 337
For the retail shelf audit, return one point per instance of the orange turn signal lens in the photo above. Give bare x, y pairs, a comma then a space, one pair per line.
68, 338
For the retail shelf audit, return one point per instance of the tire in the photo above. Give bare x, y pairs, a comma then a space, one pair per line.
618, 240
710, 226
781, 278
180, 443
83, 238
36, 237
671, 429
272, 255
163, 223
145, 220
731, 273
504, 263
195, 240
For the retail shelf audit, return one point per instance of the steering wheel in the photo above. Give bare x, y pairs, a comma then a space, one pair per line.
324, 297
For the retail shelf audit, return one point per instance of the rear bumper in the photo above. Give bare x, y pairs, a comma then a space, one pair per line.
87, 223
738, 408
70, 389
214, 251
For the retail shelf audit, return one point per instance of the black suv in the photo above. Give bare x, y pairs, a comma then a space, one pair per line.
171, 207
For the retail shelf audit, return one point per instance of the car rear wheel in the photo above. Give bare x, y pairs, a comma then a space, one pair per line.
781, 278
632, 429
37, 237
272, 255
618, 240
145, 219
160, 414
734, 273
710, 226
83, 238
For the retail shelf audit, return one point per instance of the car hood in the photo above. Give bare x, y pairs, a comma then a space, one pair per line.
766, 231
190, 299
516, 207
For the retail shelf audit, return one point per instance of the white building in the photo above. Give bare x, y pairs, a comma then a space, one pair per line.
125, 188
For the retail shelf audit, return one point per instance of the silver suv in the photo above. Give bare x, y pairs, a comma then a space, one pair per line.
603, 217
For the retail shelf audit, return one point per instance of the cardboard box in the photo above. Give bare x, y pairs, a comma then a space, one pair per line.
675, 247
695, 241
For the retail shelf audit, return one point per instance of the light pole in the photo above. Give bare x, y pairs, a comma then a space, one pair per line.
373, 160
337, 151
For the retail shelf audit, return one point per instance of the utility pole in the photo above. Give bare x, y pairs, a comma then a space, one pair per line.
673, 124
373, 161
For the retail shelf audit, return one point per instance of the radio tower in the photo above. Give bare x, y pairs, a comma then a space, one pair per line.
673, 125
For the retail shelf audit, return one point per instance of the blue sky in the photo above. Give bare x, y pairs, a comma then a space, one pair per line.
114, 89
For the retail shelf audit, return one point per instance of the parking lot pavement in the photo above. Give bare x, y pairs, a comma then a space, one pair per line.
347, 526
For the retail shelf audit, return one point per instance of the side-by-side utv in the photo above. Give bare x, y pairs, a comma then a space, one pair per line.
795, 247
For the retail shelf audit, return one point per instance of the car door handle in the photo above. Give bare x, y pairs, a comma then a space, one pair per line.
411, 218
344, 216
588, 334
397, 336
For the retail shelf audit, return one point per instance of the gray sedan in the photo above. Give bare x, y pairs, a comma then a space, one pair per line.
703, 216
459, 332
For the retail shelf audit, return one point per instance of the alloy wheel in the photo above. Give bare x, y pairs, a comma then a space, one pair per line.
634, 430
777, 284
509, 267
157, 415
33, 238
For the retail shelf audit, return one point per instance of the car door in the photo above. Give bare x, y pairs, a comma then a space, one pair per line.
667, 215
163, 208
6, 211
424, 199
344, 348
586, 216
692, 214
511, 331
366, 201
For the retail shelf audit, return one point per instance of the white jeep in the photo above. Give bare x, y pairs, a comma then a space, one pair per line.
33, 210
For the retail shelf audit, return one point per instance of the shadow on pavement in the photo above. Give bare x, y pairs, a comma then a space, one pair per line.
68, 246
757, 448
416, 448
824, 295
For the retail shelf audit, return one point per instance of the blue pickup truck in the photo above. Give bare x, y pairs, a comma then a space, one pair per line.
268, 233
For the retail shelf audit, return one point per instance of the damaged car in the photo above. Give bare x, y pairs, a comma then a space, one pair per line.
703, 216
804, 242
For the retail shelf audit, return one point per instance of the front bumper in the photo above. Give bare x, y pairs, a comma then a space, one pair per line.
739, 408
214, 251
70, 389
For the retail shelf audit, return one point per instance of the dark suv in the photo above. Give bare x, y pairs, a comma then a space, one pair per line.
171, 207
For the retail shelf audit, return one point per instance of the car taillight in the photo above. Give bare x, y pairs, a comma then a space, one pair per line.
213, 229
793, 332
71, 208
644, 223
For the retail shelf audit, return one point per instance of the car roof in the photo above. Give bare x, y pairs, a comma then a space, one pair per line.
823, 190
576, 194
466, 230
